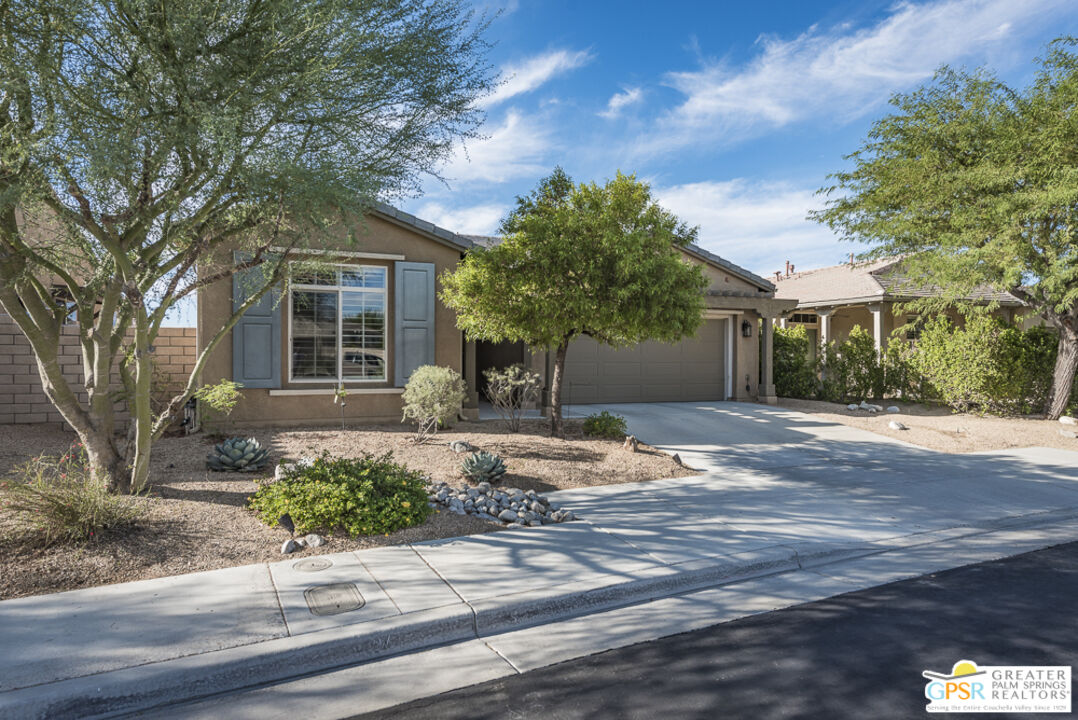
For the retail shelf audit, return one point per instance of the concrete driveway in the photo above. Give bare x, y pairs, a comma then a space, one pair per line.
773, 476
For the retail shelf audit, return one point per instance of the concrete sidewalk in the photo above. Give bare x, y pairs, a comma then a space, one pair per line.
766, 505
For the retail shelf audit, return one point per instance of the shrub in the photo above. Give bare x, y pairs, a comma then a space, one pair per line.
432, 396
605, 425
57, 498
795, 374
360, 496
987, 364
220, 400
851, 369
511, 391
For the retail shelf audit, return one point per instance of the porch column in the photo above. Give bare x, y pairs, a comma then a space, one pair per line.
767, 380
825, 325
782, 322
471, 401
877, 325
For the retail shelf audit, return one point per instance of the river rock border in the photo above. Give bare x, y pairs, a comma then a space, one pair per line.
512, 507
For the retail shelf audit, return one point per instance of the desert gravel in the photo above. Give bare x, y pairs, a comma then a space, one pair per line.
196, 520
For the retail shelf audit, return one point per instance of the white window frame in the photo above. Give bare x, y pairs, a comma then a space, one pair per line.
339, 289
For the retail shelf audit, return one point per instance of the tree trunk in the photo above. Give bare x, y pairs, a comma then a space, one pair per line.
141, 410
1063, 376
556, 429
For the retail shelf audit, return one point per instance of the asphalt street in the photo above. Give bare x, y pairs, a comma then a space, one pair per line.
858, 655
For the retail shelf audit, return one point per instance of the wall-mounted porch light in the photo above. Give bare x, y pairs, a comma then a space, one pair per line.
746, 328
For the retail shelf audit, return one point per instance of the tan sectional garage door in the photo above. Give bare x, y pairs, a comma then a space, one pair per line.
650, 372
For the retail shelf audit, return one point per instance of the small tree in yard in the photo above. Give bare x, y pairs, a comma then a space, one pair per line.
593, 260
975, 184
511, 391
142, 142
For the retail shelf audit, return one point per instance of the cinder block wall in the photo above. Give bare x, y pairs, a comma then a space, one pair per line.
23, 401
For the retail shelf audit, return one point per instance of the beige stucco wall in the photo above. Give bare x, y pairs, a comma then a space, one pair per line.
367, 401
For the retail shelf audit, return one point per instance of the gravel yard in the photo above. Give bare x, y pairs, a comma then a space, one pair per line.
196, 520
938, 428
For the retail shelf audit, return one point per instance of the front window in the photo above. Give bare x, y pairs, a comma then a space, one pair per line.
338, 330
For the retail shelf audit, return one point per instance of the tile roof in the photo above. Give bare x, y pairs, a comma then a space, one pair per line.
865, 282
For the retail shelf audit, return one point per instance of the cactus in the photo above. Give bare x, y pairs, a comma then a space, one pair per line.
483, 467
237, 455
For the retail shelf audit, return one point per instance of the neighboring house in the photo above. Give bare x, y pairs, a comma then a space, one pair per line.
832, 300
378, 317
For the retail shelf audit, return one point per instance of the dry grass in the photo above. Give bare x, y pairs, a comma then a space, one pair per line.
939, 429
196, 520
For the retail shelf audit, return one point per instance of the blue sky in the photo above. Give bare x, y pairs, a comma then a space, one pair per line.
734, 112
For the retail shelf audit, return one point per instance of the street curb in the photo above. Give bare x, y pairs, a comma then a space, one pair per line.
143, 687
134, 689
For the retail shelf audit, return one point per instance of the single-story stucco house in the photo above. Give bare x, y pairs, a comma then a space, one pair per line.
371, 321
832, 300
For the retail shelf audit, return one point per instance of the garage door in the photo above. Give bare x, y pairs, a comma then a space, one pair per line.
691, 370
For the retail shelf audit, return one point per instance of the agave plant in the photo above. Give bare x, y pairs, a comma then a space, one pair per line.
237, 455
483, 467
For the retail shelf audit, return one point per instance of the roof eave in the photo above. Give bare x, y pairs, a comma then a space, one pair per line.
724, 264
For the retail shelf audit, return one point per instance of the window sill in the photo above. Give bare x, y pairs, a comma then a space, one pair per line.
330, 391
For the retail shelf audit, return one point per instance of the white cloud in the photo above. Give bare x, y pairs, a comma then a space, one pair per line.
758, 225
621, 100
534, 72
514, 149
473, 220
843, 73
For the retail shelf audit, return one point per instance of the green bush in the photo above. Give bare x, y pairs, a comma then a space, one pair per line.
851, 369
57, 498
605, 425
432, 397
360, 496
795, 373
987, 364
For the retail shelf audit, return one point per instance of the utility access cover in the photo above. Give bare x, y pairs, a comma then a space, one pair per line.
333, 599
313, 564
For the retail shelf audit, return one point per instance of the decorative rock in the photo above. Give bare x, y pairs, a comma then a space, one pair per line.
852, 406
302, 542
896, 425
677, 459
893, 409
631, 443
512, 506
460, 446
507, 516
483, 487
281, 470
1068, 420
1068, 433
289, 547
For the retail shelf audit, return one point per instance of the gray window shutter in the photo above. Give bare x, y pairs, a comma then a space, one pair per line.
413, 319
256, 337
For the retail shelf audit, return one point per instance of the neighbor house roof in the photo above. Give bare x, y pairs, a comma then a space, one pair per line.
694, 250
870, 281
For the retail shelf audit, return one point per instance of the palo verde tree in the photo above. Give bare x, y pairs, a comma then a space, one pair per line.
593, 260
976, 184
142, 142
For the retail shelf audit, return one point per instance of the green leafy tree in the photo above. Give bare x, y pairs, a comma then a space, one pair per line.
593, 260
141, 142
975, 183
